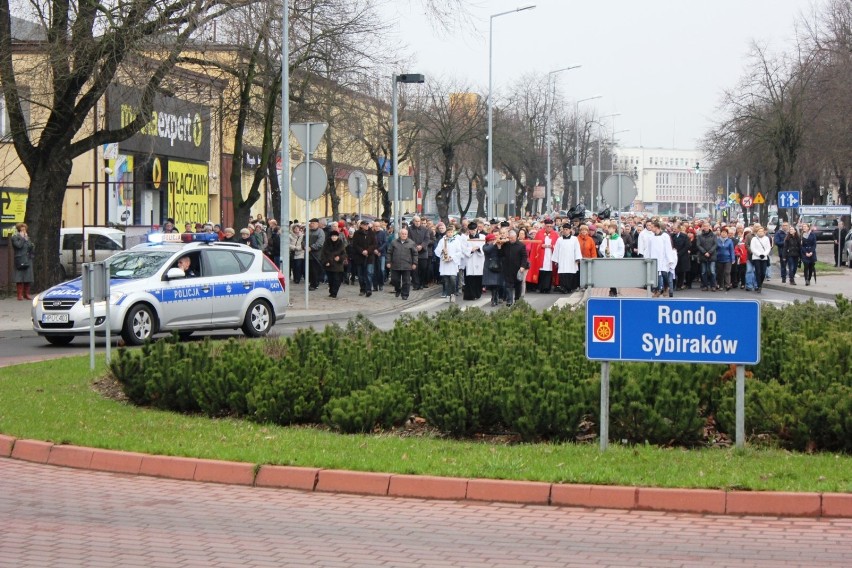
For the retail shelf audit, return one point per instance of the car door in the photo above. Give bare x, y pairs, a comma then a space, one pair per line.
233, 283
187, 303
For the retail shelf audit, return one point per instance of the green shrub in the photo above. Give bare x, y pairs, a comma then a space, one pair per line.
380, 405
519, 370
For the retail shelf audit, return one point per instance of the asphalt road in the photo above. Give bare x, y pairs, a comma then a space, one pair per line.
20, 345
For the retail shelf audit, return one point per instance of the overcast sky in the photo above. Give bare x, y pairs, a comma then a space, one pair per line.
662, 64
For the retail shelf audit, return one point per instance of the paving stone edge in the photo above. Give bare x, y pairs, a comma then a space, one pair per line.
698, 501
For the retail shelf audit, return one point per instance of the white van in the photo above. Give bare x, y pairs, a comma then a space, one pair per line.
102, 242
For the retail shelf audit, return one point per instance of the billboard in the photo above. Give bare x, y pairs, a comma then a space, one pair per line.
177, 128
188, 192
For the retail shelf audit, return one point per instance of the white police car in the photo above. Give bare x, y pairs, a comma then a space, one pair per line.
226, 286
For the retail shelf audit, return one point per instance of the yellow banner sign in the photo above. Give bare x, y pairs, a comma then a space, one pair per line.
188, 192
13, 207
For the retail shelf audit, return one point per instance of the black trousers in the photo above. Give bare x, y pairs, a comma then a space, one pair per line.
401, 281
334, 281
569, 281
421, 275
316, 272
544, 279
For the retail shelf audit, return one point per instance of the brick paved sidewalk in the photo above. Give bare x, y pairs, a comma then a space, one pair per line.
54, 516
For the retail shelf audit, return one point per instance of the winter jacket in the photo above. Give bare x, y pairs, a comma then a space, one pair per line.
792, 246
809, 245
330, 250
401, 254
706, 244
724, 250
363, 240
421, 236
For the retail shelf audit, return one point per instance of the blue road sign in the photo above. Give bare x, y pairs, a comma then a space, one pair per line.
789, 199
673, 331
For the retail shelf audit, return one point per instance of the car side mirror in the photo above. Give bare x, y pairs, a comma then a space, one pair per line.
174, 274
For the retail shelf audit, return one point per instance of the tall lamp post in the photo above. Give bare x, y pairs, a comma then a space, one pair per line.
577, 145
490, 210
548, 196
404, 78
600, 172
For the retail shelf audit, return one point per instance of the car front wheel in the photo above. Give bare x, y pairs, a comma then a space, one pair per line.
258, 320
139, 325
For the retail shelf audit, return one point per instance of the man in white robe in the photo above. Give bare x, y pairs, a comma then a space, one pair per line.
567, 255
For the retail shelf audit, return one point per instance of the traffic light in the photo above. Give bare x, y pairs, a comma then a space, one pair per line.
697, 166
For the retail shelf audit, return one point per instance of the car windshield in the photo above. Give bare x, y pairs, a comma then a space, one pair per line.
135, 265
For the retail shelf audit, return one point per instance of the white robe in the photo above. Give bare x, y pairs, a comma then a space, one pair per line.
547, 253
616, 247
476, 260
658, 247
643, 241
566, 253
456, 249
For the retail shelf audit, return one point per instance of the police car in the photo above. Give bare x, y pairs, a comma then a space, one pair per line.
224, 286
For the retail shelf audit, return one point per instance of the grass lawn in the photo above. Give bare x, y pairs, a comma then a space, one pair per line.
55, 401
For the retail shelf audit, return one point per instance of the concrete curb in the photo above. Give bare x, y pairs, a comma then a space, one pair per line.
696, 501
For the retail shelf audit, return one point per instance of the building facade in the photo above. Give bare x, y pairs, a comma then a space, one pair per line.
668, 181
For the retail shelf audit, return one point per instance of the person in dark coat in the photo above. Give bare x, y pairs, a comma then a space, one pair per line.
681, 243
513, 255
273, 247
422, 237
809, 253
23, 269
333, 258
792, 246
246, 238
492, 279
314, 238
402, 260
839, 237
363, 255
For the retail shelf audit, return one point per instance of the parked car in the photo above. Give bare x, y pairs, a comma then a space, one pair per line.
227, 286
87, 244
822, 227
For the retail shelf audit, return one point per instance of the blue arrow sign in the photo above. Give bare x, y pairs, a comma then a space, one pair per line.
674, 331
789, 199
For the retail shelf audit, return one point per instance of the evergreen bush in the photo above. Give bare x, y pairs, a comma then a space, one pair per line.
519, 370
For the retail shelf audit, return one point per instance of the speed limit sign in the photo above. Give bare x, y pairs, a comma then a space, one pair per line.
747, 201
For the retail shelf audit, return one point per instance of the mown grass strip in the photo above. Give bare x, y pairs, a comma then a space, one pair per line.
54, 401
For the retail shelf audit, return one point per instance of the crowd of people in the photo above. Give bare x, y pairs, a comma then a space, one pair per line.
507, 258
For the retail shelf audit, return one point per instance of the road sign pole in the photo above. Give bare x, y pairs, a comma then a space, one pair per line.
307, 213
740, 407
603, 427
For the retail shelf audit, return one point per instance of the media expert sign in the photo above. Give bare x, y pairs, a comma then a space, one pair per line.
177, 128
188, 192
674, 331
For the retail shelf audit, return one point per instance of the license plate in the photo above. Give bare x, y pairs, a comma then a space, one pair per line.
54, 318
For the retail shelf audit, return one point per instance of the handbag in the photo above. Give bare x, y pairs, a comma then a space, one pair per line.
494, 265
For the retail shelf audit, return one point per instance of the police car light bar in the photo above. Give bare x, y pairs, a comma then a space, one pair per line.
182, 237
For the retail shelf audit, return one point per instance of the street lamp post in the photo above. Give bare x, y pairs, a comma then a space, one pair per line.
600, 172
490, 209
404, 78
577, 145
548, 196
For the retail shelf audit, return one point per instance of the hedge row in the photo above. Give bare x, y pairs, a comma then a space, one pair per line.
518, 371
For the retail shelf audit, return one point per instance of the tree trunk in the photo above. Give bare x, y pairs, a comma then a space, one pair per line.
44, 213
332, 187
275, 190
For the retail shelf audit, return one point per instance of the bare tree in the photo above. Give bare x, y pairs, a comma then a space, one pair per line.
452, 120
85, 45
768, 113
